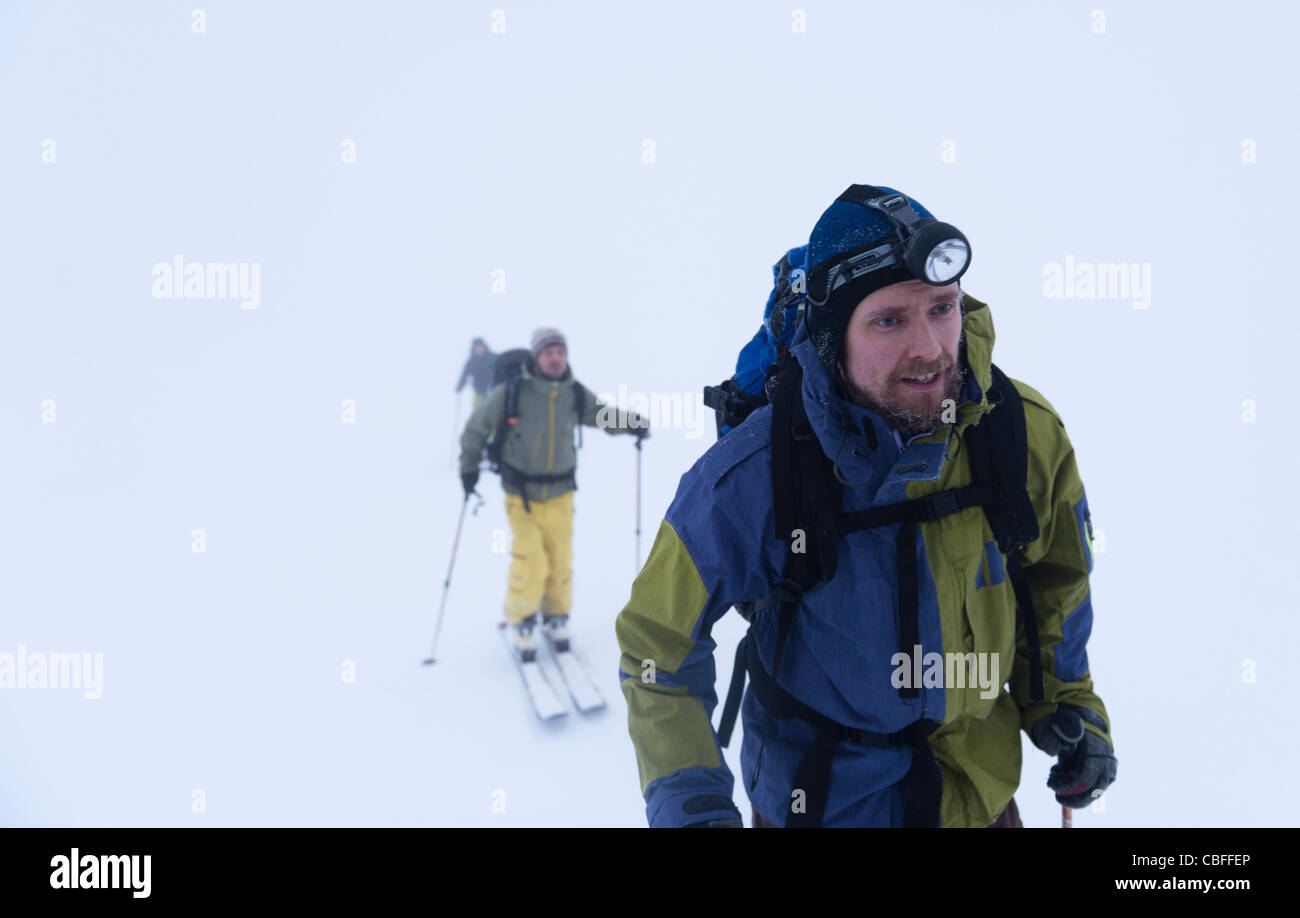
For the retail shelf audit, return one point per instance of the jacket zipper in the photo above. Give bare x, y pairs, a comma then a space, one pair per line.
550, 450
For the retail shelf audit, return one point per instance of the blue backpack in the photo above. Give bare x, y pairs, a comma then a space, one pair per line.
736, 398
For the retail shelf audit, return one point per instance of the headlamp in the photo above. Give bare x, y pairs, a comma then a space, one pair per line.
933, 252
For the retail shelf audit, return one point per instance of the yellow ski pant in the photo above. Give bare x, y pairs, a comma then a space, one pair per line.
541, 566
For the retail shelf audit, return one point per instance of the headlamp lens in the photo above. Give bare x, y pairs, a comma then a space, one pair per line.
946, 261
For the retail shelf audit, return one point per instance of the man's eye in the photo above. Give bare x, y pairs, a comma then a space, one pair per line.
945, 308
886, 319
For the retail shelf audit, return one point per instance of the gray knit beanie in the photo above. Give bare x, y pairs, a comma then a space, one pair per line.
545, 337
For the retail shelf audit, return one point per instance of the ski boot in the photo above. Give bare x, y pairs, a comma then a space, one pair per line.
525, 638
557, 630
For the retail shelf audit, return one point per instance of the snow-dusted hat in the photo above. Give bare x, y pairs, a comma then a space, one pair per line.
869, 238
545, 337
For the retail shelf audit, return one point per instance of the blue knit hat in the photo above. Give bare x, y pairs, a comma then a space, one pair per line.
847, 228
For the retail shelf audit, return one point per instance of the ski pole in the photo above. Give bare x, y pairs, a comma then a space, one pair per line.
446, 584
638, 505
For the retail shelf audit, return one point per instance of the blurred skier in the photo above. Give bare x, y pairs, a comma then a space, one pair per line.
530, 420
897, 502
478, 369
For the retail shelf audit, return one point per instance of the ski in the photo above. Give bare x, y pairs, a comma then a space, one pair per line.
545, 700
582, 688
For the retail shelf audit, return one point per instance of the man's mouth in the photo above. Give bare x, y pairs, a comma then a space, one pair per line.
921, 383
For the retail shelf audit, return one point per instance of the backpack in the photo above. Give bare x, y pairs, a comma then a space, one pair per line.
807, 497
510, 364
736, 398
509, 371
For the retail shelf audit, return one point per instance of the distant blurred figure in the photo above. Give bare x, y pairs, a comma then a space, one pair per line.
479, 369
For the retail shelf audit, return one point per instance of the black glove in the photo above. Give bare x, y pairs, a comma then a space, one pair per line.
1081, 776
1087, 763
1059, 731
726, 820
641, 433
468, 481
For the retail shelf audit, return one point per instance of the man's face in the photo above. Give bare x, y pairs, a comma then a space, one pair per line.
478, 350
897, 337
552, 361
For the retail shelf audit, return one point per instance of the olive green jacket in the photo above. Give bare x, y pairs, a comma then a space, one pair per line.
541, 442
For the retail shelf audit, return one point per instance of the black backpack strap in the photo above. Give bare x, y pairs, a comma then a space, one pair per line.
909, 614
999, 456
795, 450
509, 415
509, 410
805, 502
512, 399
922, 786
579, 397
784, 393
1025, 600
735, 690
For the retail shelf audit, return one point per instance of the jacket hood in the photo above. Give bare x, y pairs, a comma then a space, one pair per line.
857, 439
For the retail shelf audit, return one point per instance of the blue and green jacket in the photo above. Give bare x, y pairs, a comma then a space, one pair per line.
716, 547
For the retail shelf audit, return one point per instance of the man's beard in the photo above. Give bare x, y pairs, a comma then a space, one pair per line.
906, 419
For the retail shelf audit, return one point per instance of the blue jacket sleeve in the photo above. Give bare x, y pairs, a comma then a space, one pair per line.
707, 555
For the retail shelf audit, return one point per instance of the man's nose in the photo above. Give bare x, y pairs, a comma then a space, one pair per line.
923, 342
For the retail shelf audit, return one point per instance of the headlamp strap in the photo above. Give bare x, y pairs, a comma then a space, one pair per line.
893, 205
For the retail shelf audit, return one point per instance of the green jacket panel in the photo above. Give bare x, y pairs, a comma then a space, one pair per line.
542, 441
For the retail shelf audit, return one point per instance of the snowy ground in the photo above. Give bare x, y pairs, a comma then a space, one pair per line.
225, 672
